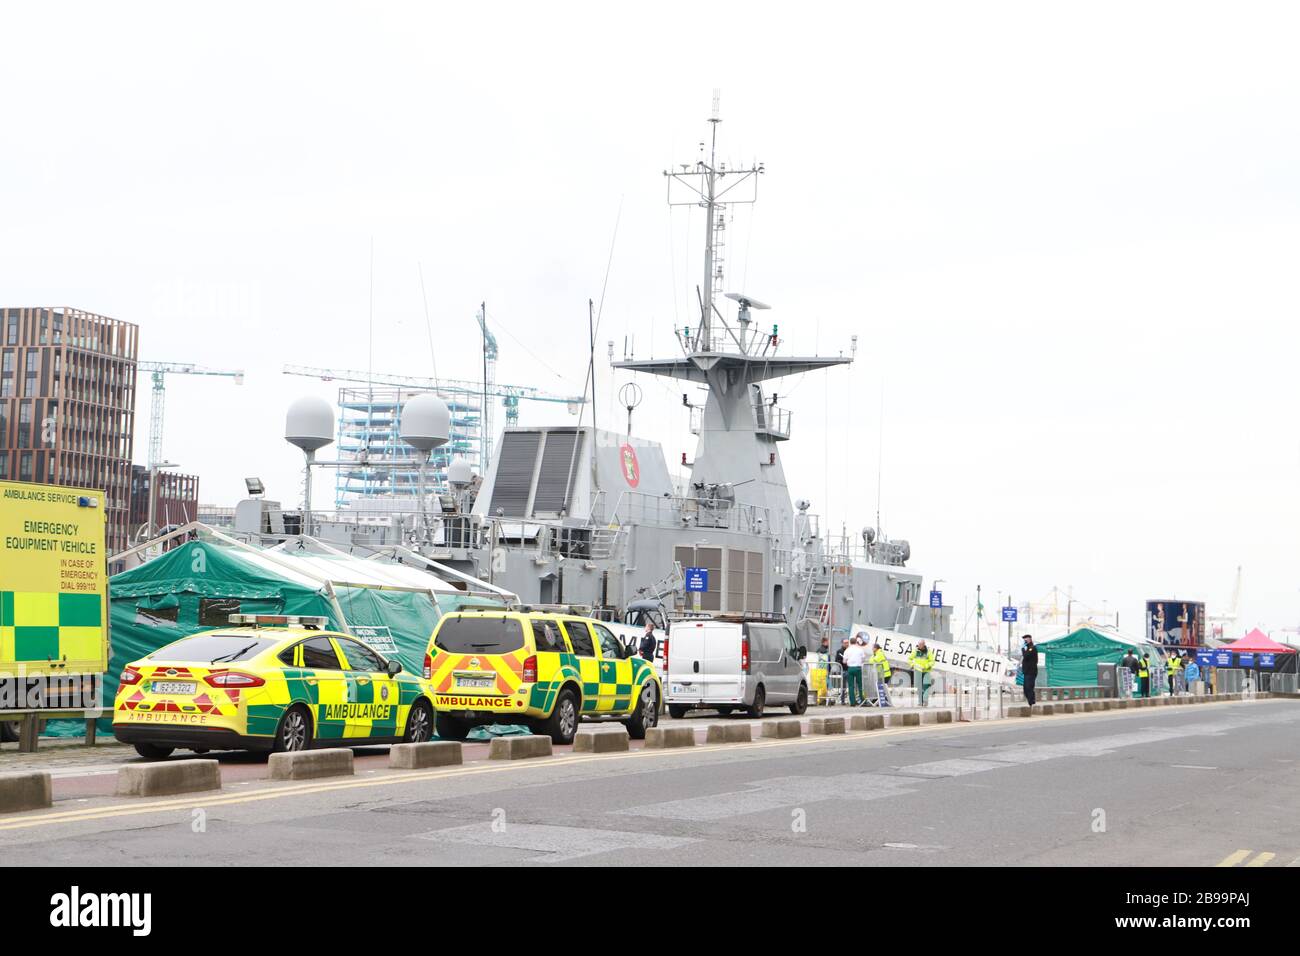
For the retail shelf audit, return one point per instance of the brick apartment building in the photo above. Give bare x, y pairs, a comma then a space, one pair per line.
67, 404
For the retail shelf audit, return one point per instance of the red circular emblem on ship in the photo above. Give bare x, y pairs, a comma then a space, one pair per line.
631, 467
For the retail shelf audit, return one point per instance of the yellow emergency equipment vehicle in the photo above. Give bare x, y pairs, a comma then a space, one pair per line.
269, 683
544, 670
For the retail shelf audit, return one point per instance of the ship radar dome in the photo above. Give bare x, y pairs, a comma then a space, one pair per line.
309, 423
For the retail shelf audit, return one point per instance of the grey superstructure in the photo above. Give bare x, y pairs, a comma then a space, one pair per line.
578, 515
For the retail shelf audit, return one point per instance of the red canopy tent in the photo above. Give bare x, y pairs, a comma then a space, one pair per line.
1258, 642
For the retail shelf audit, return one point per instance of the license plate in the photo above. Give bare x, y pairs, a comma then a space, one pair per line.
475, 682
172, 687
680, 688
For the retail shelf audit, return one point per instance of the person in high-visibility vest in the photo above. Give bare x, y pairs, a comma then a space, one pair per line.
922, 661
883, 673
1171, 669
1144, 675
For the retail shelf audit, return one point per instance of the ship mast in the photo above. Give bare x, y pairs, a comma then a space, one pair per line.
710, 185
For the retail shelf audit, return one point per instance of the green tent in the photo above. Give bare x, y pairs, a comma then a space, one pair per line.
1071, 660
198, 584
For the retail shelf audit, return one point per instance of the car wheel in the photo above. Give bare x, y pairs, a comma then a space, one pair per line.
419, 723
451, 728
725, 711
294, 732
562, 725
760, 701
801, 702
646, 714
8, 731
153, 751
677, 711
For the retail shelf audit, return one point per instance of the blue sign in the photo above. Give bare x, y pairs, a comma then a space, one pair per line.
936, 599
1222, 658
697, 579
1266, 661
1009, 614
1246, 660
1205, 658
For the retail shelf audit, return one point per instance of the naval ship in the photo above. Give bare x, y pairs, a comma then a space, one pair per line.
575, 515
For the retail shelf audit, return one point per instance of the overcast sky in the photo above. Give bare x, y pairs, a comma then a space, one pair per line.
1066, 236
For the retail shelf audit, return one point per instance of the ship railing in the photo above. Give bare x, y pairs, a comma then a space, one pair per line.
669, 511
769, 420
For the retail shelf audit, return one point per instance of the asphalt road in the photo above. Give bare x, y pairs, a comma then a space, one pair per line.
1161, 786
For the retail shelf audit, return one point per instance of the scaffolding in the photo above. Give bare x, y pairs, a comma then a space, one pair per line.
369, 438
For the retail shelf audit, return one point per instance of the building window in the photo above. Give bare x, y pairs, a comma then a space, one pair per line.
25, 467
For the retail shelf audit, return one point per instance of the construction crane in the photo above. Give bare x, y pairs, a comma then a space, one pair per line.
509, 394
489, 381
159, 372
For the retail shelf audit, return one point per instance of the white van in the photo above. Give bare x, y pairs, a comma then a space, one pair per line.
731, 665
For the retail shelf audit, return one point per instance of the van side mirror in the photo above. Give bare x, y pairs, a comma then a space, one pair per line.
800, 652
394, 668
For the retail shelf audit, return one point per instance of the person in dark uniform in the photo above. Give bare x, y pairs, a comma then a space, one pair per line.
1132, 663
1029, 667
649, 643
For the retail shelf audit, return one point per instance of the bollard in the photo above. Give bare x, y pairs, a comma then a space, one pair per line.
519, 748
310, 764
735, 732
433, 753
662, 738
826, 725
24, 791
866, 722
601, 740
903, 720
174, 776
782, 728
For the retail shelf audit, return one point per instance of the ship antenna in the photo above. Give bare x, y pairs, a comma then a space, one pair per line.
704, 181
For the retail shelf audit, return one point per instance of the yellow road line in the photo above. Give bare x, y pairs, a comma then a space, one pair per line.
1232, 859
193, 801
1262, 859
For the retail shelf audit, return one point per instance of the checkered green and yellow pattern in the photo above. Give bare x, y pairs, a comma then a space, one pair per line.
493, 683
346, 704
38, 628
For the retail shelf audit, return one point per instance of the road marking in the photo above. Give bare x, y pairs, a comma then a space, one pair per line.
1262, 859
88, 814
558, 844
1232, 859
1191, 766
293, 790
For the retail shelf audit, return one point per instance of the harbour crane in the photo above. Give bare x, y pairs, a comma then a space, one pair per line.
159, 372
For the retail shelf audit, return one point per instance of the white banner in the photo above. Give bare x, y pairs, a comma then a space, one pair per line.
948, 658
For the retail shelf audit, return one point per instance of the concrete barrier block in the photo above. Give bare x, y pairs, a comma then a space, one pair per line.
903, 720
782, 728
735, 732
519, 748
827, 725
433, 753
24, 791
936, 716
310, 764
657, 738
1045, 709
174, 776
1019, 710
1065, 708
606, 739
866, 721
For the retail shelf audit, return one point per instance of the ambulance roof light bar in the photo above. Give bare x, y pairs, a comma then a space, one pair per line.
280, 620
